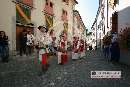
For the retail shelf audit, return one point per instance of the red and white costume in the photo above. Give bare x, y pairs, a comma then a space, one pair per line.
42, 39
62, 54
75, 51
82, 48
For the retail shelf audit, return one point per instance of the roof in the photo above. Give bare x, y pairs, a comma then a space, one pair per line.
75, 1
76, 11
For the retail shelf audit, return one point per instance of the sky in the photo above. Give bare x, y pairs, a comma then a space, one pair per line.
87, 10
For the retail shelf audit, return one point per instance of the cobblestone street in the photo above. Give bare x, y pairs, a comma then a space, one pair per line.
23, 72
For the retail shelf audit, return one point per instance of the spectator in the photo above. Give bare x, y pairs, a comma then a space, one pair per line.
30, 42
115, 49
23, 41
4, 50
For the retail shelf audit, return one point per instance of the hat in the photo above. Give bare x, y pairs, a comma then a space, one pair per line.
39, 27
44, 26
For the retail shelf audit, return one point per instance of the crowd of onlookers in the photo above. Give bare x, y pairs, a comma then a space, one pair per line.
111, 48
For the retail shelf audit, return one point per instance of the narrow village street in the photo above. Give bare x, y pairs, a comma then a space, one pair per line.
24, 72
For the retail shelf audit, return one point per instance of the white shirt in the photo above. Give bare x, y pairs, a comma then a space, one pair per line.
114, 39
39, 37
30, 39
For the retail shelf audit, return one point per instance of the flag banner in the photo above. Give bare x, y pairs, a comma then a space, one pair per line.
65, 26
22, 13
49, 21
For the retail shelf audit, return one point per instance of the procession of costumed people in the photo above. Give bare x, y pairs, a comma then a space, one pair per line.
62, 49
82, 48
75, 49
78, 48
44, 44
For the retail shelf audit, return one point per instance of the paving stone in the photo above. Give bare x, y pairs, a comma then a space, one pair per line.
23, 72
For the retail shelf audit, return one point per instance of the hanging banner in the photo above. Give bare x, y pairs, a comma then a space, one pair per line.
65, 26
49, 21
22, 13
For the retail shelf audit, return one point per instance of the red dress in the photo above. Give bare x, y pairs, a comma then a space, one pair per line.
81, 46
64, 56
44, 59
75, 43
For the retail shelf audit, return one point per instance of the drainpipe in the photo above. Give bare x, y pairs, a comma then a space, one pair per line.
96, 34
107, 13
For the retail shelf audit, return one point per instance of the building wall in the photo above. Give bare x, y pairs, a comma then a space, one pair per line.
123, 15
8, 18
58, 26
123, 9
37, 13
99, 26
79, 27
38, 17
94, 35
8, 21
123, 22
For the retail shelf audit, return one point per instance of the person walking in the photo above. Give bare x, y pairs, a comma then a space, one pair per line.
115, 49
30, 42
62, 50
23, 41
42, 42
4, 49
106, 47
82, 49
54, 46
59, 52
75, 49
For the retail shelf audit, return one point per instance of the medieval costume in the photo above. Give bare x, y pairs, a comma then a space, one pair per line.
42, 41
30, 43
82, 48
62, 51
115, 49
75, 51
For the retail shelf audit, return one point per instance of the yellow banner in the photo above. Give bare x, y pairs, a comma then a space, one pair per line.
22, 13
65, 26
49, 21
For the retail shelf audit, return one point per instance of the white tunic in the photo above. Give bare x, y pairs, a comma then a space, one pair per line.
30, 39
76, 55
39, 40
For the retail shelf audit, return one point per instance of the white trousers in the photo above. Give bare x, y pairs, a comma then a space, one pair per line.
82, 54
75, 55
41, 51
59, 57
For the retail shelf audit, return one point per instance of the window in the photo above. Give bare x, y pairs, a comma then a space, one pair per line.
64, 14
63, 11
46, 2
51, 5
66, 1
